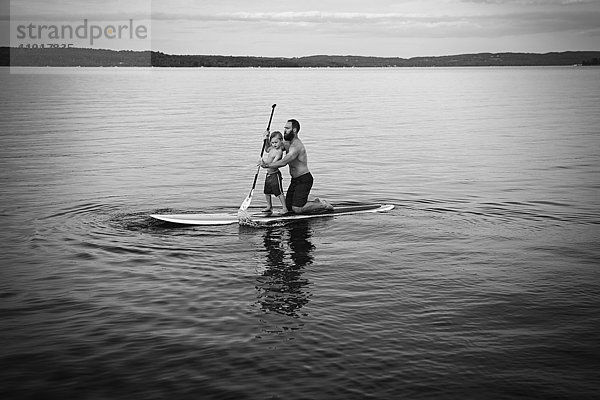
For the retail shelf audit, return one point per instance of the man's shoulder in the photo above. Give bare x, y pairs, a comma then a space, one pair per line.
301, 148
297, 144
293, 146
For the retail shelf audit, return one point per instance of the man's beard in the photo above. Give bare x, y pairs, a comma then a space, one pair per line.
289, 136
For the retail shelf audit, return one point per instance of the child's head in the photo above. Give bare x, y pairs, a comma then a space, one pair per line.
276, 139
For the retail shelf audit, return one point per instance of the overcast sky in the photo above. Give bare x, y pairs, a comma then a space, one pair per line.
368, 27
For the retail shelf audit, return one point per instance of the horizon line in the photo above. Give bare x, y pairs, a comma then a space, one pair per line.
305, 56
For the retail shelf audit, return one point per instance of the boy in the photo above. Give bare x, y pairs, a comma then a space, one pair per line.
273, 180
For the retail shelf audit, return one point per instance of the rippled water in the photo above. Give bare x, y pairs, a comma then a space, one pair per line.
483, 282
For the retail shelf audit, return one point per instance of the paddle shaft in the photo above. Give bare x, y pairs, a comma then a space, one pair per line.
262, 151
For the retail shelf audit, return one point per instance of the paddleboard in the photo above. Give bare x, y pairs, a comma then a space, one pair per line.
266, 219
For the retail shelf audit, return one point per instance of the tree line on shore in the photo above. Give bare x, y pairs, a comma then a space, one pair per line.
73, 57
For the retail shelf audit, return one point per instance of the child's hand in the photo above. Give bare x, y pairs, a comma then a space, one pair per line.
266, 135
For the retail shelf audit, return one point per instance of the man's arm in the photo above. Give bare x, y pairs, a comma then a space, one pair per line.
289, 157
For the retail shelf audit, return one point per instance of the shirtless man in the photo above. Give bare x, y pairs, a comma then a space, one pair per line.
296, 198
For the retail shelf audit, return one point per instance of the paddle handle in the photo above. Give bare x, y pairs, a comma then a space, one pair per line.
268, 128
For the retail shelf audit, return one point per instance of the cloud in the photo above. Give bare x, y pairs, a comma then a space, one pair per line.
73, 10
291, 17
507, 23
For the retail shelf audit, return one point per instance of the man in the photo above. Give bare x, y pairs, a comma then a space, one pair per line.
297, 195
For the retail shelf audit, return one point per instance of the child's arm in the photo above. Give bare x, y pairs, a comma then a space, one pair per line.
273, 156
268, 153
277, 155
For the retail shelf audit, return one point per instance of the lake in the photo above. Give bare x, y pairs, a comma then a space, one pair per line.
483, 282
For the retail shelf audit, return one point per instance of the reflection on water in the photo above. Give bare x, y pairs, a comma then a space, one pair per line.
282, 288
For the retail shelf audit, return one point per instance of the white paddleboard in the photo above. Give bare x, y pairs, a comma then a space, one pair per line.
265, 219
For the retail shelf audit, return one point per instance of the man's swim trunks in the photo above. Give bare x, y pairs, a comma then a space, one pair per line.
273, 184
297, 194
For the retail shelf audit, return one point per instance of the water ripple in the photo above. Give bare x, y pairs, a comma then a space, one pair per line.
482, 282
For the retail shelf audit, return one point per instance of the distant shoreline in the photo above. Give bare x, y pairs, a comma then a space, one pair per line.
82, 57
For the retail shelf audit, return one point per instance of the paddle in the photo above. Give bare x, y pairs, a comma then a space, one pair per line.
248, 200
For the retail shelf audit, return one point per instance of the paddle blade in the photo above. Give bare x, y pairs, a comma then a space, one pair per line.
246, 202
244, 218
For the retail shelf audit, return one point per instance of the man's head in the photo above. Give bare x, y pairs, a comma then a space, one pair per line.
292, 127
